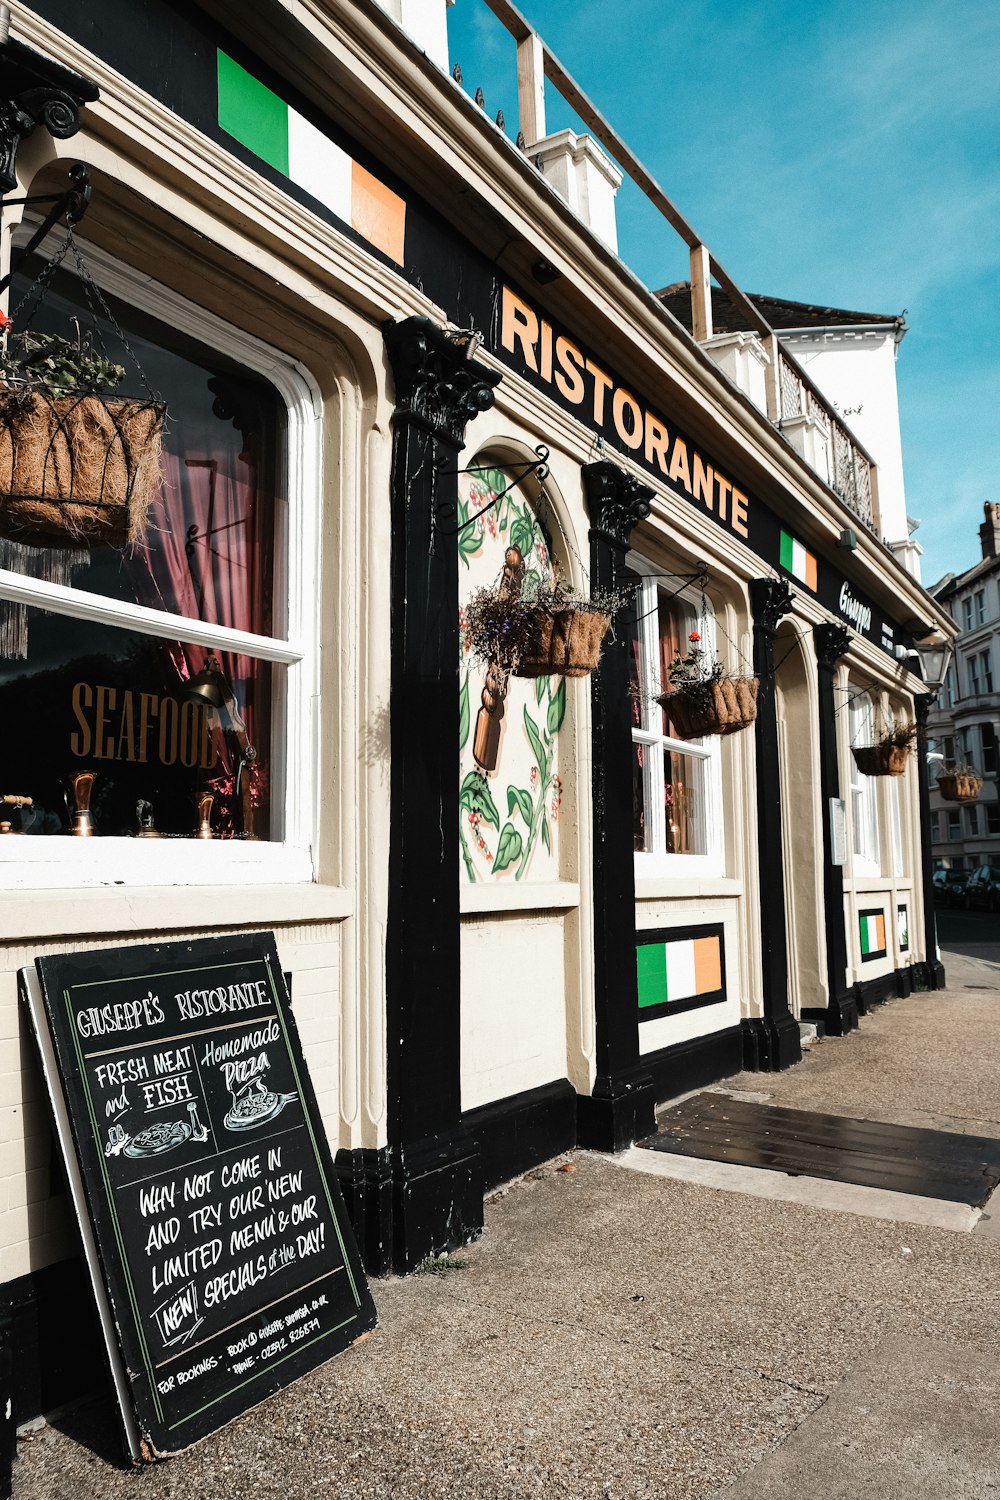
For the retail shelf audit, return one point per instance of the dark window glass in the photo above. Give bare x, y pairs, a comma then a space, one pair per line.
159, 726
209, 547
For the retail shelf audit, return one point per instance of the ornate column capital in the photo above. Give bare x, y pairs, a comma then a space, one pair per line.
439, 386
35, 90
832, 642
770, 599
616, 500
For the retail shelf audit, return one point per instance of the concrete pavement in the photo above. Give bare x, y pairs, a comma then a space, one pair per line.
617, 1334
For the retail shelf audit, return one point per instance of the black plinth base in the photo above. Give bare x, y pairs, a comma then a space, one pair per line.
620, 1111
836, 1019
412, 1201
770, 1043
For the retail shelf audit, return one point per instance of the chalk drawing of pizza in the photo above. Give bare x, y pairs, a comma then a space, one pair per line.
256, 1107
165, 1135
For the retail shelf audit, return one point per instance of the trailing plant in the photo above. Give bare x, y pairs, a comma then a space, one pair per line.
702, 697
59, 366
501, 628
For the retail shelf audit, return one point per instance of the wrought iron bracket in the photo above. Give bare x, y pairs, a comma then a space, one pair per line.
539, 467
70, 205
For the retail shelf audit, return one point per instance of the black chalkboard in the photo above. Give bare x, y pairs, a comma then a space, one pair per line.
227, 1266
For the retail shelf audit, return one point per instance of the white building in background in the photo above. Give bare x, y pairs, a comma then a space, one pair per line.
966, 723
851, 359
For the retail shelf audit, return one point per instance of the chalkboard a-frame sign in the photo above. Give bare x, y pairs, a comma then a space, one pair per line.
222, 1257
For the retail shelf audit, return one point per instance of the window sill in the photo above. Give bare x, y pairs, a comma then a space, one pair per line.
34, 915
684, 887
483, 899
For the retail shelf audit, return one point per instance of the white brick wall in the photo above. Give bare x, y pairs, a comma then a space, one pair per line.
36, 1228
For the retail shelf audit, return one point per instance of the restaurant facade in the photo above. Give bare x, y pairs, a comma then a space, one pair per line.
515, 915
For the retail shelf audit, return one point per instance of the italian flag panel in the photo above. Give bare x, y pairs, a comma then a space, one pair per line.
680, 970
797, 561
872, 933
260, 120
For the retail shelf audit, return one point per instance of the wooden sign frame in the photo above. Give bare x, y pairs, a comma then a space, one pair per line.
216, 1236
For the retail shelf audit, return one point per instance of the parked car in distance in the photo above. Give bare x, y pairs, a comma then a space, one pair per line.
949, 886
982, 889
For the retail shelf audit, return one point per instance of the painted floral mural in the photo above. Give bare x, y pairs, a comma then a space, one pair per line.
509, 803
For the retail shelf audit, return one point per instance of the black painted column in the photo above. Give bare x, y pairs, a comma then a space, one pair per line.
423, 1195
770, 1042
922, 705
621, 1108
841, 1012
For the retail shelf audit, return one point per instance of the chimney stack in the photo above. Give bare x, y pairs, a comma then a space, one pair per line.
989, 532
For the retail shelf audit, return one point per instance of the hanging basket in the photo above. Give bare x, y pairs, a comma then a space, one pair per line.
562, 642
723, 706
881, 760
959, 786
77, 470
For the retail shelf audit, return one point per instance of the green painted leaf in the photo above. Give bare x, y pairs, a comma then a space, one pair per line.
463, 712
531, 584
546, 837
541, 683
475, 796
557, 708
518, 797
538, 749
508, 849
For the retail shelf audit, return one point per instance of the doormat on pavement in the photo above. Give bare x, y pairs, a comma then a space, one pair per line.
899, 1158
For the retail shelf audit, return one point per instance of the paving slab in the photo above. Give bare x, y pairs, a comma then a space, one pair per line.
617, 1336
917, 1421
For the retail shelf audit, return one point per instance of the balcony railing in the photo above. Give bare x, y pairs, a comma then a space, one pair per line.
836, 455
850, 472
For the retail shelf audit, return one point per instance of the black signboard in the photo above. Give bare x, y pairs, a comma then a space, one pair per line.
222, 1255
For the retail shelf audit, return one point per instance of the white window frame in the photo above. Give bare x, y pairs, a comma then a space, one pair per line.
979, 606
50, 862
987, 665
972, 666
967, 612
656, 862
864, 800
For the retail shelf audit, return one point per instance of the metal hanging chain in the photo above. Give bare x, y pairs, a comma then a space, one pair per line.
35, 296
93, 292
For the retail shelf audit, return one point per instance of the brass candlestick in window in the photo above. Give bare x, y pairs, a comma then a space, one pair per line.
486, 742
211, 686
144, 818
82, 783
204, 828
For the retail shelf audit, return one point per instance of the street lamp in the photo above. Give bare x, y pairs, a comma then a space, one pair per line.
934, 655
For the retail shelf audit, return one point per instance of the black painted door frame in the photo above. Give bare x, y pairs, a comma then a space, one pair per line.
840, 1014
423, 1193
620, 1108
771, 1041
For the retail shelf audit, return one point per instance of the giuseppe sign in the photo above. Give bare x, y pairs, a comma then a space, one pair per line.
227, 1266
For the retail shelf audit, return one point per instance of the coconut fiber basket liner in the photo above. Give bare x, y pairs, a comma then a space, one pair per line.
733, 706
564, 641
958, 788
77, 470
881, 760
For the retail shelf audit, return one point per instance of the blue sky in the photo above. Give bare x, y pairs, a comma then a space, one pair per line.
846, 154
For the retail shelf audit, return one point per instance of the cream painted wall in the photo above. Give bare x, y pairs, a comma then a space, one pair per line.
514, 1004
669, 1030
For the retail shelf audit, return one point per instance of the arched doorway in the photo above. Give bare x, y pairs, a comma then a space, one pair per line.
801, 814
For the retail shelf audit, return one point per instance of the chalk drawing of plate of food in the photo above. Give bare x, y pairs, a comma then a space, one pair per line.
165, 1135
256, 1107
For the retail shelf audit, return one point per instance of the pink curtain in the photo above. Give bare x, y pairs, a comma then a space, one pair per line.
197, 562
